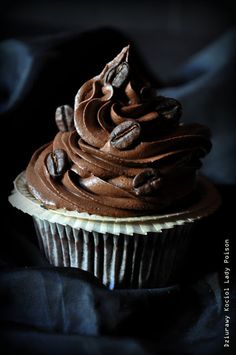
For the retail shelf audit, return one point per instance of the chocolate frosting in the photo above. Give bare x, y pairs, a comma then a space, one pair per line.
127, 154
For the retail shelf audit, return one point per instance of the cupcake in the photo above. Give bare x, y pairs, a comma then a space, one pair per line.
116, 192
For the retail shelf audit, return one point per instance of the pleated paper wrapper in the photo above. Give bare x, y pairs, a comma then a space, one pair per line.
137, 252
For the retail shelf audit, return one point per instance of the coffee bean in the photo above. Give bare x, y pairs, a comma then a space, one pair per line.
125, 134
65, 118
146, 182
169, 109
191, 160
56, 163
117, 76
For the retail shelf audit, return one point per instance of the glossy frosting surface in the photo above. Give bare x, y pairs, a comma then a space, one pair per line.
125, 153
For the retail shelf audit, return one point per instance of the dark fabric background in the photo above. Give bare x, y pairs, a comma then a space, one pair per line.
47, 310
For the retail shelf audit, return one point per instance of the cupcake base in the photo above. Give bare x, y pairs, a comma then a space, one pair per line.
141, 252
119, 261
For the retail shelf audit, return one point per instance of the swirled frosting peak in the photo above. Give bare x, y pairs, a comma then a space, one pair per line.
122, 151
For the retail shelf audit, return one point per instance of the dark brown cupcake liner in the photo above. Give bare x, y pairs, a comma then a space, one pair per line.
119, 261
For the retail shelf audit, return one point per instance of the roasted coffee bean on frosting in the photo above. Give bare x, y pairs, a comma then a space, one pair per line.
168, 108
57, 163
147, 181
125, 134
65, 118
118, 75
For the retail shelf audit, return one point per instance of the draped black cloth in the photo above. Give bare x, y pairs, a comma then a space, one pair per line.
49, 310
